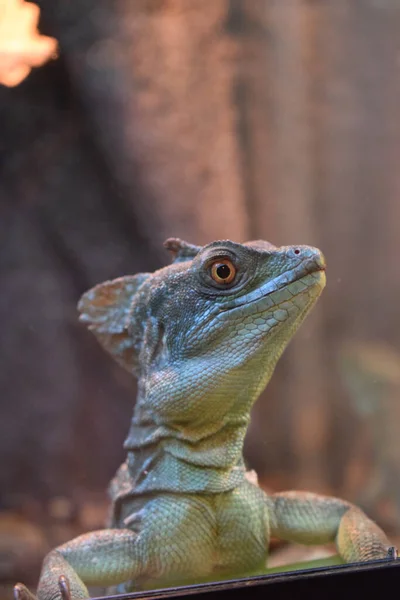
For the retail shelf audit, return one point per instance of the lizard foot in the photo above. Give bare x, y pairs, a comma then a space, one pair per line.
21, 592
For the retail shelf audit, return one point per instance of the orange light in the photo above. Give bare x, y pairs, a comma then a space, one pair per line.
21, 45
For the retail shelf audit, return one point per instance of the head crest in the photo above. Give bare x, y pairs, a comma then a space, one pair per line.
181, 251
106, 310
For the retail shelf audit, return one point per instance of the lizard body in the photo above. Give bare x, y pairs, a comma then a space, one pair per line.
202, 336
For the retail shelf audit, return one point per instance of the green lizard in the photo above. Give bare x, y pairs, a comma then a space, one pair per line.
202, 336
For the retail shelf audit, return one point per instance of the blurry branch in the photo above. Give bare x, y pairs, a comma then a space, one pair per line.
21, 45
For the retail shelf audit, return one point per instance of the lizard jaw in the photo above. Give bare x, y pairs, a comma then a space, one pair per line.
314, 265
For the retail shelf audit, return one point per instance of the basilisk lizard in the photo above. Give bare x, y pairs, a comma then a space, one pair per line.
202, 336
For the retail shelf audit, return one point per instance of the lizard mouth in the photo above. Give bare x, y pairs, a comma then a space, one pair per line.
311, 268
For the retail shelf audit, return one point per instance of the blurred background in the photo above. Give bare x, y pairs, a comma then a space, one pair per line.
201, 119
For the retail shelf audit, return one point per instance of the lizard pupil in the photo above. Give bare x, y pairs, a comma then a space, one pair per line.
223, 271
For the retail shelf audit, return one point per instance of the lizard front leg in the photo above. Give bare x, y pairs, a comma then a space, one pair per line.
106, 557
309, 518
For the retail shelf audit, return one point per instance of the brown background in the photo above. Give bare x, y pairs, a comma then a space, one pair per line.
203, 119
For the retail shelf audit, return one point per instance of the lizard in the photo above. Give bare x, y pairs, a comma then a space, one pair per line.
202, 335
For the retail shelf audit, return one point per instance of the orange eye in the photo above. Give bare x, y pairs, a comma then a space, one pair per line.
223, 271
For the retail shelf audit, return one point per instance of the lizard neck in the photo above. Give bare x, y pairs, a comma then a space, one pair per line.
202, 457
189, 438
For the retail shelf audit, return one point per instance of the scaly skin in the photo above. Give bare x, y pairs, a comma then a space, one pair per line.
203, 342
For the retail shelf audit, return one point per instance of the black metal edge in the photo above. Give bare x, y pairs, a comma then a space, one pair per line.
338, 580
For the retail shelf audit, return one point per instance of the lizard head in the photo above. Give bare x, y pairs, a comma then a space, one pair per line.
218, 317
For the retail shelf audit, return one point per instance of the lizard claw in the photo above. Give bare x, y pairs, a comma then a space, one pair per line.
392, 553
65, 590
21, 592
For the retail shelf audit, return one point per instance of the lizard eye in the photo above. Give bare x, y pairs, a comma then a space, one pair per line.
223, 271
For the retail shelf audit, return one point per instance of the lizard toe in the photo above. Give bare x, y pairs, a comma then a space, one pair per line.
21, 592
64, 587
